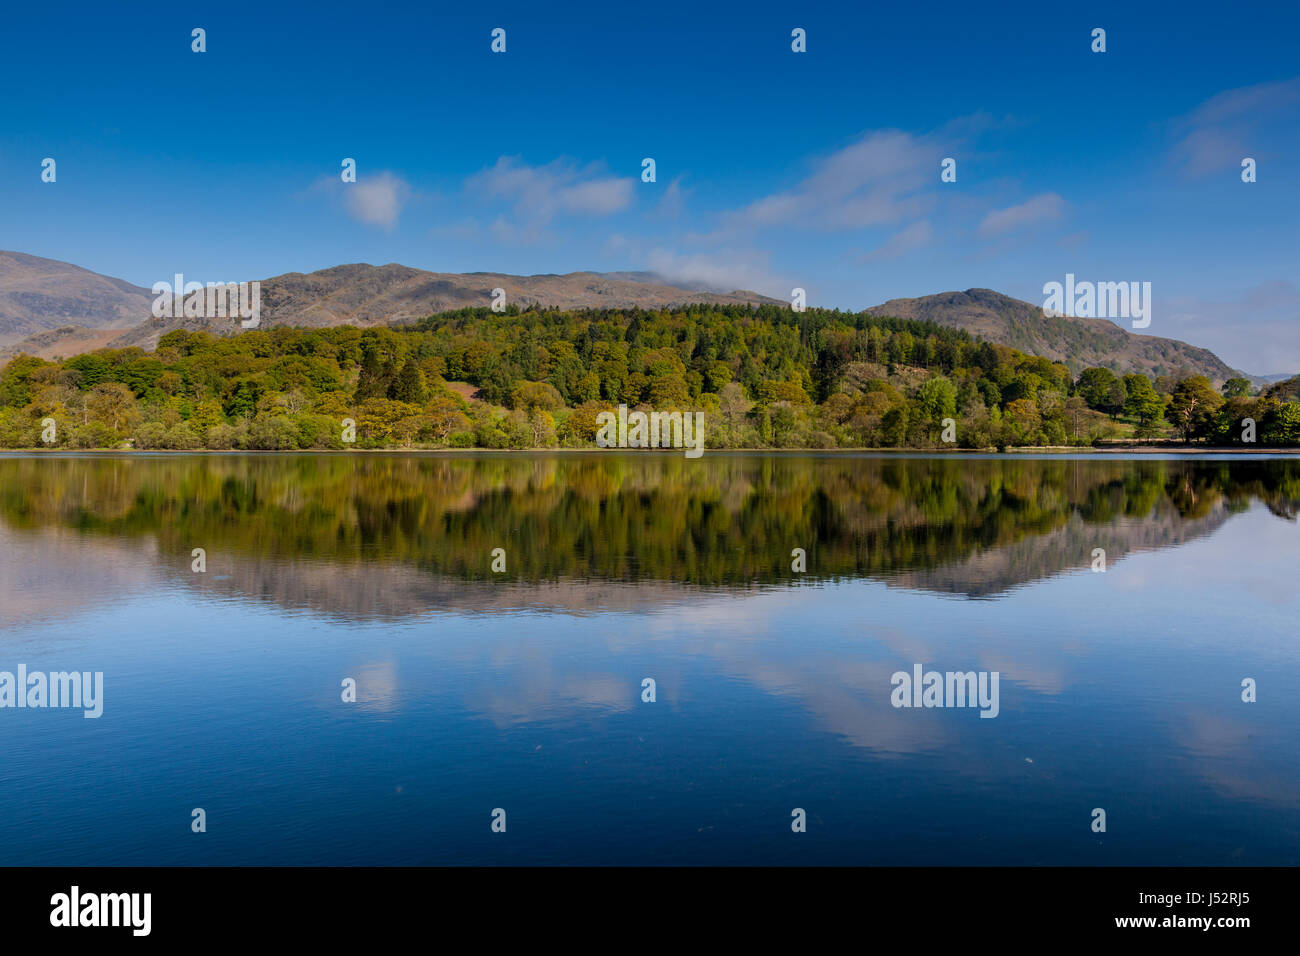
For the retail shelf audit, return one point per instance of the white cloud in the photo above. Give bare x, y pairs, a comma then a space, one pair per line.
915, 236
377, 200
872, 182
1247, 101
598, 197
728, 272
1228, 126
672, 204
539, 193
1045, 207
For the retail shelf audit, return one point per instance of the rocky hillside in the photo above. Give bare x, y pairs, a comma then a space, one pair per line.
366, 295
1079, 343
362, 294
38, 295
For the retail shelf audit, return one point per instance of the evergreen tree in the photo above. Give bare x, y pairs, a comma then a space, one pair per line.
409, 385
370, 382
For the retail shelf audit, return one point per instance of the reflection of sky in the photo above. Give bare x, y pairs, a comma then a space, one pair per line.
1118, 690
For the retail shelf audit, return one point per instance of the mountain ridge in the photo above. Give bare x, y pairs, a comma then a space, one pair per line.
38, 295
1077, 342
368, 295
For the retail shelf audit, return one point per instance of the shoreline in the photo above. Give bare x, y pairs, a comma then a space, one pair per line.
1152, 450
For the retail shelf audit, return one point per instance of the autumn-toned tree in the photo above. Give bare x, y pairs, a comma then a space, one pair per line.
112, 404
443, 415
1193, 405
530, 395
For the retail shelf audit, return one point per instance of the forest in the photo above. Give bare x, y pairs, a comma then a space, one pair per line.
765, 377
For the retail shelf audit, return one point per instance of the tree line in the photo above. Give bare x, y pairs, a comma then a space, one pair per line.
766, 377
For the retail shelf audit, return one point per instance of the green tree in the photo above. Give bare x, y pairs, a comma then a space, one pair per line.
937, 398
1141, 401
1098, 388
371, 382
409, 386
1192, 407
1236, 388
530, 395
1283, 425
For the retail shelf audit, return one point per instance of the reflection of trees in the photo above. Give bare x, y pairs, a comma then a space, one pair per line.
729, 519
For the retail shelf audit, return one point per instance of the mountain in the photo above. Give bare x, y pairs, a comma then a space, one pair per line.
1079, 343
38, 295
366, 295
64, 310
64, 342
361, 294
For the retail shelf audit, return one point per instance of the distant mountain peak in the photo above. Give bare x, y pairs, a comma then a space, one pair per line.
1076, 342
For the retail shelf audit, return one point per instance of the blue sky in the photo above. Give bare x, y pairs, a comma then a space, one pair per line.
774, 169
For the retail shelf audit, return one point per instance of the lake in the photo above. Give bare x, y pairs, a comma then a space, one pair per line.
523, 689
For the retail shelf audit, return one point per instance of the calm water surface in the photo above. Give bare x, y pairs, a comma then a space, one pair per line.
522, 690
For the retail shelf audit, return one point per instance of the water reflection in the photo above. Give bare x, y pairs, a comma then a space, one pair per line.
473, 690
373, 537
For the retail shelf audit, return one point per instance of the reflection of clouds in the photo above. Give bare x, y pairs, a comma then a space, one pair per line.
849, 697
1216, 736
907, 645
539, 693
767, 639
730, 615
1237, 757
1025, 662
850, 700
1041, 677
831, 649
377, 687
